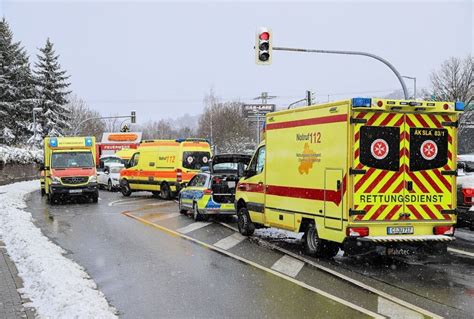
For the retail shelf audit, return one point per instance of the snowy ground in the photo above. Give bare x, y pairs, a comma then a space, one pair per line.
57, 286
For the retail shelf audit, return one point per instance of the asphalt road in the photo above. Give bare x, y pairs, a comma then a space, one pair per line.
151, 262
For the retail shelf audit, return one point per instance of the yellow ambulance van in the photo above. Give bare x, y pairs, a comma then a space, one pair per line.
363, 175
164, 166
69, 169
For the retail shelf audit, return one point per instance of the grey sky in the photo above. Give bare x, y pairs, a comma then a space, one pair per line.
161, 58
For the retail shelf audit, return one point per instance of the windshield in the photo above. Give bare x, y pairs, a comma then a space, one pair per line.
72, 159
195, 160
108, 160
115, 169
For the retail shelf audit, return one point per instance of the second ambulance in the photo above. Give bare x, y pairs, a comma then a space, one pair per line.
361, 174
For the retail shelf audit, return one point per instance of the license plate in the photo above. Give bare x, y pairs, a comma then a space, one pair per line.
75, 191
399, 230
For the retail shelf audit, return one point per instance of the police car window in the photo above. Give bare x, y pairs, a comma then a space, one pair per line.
428, 148
260, 160
201, 180
380, 147
193, 180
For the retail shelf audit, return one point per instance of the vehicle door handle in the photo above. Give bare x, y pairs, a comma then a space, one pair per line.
410, 185
338, 185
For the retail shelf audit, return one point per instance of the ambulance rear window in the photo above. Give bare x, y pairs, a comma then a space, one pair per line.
380, 147
428, 148
196, 160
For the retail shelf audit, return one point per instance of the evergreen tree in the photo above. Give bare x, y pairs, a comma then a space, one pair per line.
17, 90
52, 86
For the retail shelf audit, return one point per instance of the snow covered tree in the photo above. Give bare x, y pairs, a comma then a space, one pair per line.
52, 85
17, 89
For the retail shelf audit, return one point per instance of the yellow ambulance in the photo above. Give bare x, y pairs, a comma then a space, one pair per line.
363, 175
69, 168
164, 166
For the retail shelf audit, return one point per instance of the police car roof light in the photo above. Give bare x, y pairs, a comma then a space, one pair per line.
361, 102
459, 106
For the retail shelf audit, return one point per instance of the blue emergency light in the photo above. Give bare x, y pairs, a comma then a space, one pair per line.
88, 141
180, 140
459, 106
53, 142
361, 102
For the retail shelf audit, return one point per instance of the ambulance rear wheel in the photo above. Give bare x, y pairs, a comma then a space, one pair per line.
246, 227
165, 191
315, 246
125, 189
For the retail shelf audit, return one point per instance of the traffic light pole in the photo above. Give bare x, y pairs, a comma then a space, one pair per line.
370, 55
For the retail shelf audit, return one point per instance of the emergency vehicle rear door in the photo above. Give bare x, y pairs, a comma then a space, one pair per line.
378, 166
430, 178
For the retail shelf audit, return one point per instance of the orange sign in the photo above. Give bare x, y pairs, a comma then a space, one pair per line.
127, 137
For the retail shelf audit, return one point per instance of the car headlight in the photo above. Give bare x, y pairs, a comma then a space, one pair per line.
55, 180
93, 179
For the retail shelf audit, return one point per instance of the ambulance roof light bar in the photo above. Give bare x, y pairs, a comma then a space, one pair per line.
459, 106
361, 102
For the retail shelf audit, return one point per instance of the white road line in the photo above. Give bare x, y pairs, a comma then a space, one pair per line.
256, 265
344, 277
461, 252
121, 202
230, 241
288, 265
392, 310
192, 227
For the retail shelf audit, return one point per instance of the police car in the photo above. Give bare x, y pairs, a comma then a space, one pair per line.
212, 192
465, 193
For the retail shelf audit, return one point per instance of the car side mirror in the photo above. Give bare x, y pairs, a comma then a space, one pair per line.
240, 169
462, 166
249, 173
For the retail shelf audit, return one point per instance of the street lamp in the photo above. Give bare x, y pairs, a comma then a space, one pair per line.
35, 109
414, 84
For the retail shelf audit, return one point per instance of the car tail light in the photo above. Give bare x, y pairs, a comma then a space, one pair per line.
443, 230
357, 231
179, 175
468, 195
207, 192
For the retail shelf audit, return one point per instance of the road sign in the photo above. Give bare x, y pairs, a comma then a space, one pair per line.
257, 109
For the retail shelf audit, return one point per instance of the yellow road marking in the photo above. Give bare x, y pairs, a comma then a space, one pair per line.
249, 262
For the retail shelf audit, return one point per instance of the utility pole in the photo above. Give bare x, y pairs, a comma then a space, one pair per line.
264, 97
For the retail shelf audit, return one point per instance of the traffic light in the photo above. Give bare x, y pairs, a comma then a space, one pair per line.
133, 117
263, 46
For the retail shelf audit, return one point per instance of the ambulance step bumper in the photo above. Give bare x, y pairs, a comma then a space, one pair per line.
405, 238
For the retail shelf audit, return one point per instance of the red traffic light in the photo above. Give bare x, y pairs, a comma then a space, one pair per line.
264, 36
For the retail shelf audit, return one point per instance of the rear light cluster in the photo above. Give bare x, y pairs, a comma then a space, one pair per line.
357, 231
468, 195
443, 230
207, 192
179, 175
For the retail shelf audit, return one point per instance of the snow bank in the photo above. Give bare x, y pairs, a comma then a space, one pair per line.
20, 155
56, 286
274, 234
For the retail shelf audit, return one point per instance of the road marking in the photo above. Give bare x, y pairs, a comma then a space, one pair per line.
254, 264
392, 310
344, 277
192, 227
288, 265
121, 202
461, 252
230, 241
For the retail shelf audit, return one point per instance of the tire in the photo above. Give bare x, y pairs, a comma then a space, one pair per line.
315, 246
52, 199
109, 186
181, 210
156, 194
197, 215
246, 227
125, 189
165, 191
95, 197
